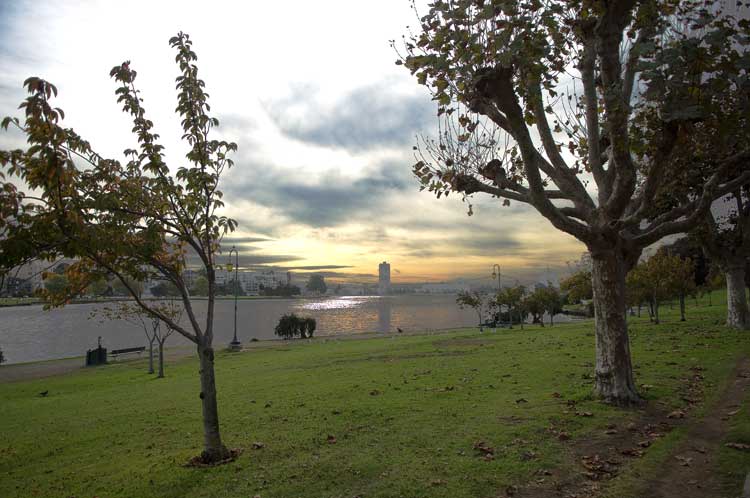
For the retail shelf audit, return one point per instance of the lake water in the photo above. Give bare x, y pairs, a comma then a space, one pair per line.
28, 333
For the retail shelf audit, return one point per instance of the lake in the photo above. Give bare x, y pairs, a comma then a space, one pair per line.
28, 333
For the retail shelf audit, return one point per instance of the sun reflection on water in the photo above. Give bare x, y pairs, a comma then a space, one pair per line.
342, 302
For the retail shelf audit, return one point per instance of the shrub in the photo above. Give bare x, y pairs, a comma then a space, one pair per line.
291, 326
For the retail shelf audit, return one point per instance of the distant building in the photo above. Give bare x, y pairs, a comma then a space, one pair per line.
384, 279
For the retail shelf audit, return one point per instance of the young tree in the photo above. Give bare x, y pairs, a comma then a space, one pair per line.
551, 300
200, 287
577, 286
126, 220
495, 71
163, 331
511, 298
534, 305
120, 289
135, 315
474, 299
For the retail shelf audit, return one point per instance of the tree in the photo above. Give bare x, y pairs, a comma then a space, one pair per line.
120, 289
165, 289
683, 280
97, 287
474, 299
200, 287
54, 282
551, 301
726, 241
316, 283
494, 70
291, 326
131, 221
135, 315
577, 286
534, 305
637, 291
511, 298
310, 326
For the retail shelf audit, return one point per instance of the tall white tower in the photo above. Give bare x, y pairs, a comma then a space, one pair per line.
384, 279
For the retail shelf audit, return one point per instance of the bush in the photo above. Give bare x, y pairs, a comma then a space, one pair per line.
291, 326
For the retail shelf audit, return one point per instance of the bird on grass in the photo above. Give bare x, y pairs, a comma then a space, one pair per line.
44, 393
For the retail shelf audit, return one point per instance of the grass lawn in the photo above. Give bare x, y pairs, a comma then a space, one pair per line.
405, 413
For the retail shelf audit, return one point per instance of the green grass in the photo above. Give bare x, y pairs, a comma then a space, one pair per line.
405, 413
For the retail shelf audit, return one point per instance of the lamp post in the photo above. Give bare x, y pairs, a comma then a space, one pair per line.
235, 345
496, 273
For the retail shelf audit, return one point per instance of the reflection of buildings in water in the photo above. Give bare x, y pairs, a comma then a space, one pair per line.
384, 314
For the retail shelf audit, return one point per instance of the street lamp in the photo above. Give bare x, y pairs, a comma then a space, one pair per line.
496, 274
235, 345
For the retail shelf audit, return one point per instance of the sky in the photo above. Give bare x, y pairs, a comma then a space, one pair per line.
323, 118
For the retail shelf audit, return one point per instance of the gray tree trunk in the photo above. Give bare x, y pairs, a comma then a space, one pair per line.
682, 307
614, 370
161, 360
213, 449
151, 355
737, 313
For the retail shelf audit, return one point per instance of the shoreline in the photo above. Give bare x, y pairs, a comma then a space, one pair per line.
33, 370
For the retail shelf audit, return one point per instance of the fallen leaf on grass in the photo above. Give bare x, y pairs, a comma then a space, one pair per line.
584, 414
257, 445
331, 439
738, 446
676, 414
563, 436
487, 452
438, 482
609, 432
521, 400
632, 452
644, 444
374, 392
684, 461
733, 412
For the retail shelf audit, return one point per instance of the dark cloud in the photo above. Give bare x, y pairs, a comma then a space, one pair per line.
330, 200
244, 240
367, 117
316, 267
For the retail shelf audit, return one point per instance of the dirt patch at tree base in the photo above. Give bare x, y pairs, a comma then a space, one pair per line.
689, 471
199, 462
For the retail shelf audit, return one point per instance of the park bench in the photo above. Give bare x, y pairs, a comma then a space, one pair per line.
117, 352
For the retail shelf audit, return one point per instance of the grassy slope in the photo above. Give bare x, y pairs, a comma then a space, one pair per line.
405, 412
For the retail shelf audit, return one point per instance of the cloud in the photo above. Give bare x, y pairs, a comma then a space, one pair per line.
244, 240
328, 200
365, 118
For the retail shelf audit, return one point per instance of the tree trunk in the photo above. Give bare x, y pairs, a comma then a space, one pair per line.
161, 360
656, 310
213, 449
737, 313
639, 310
682, 307
150, 356
614, 370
